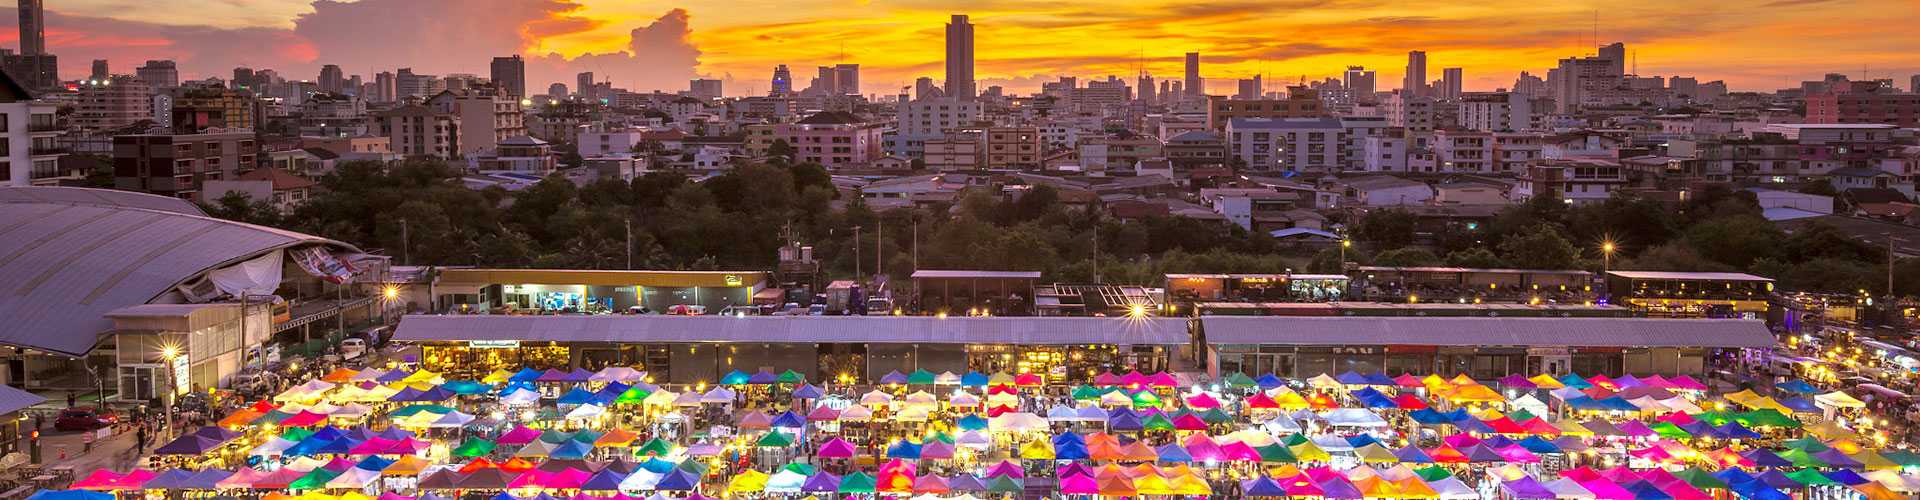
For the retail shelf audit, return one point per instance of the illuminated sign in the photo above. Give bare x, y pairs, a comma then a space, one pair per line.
493, 344
734, 280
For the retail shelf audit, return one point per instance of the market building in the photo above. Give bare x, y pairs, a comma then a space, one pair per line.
692, 349
1461, 284
480, 291
1690, 294
1192, 290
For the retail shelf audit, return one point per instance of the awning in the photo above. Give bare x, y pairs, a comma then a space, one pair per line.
797, 329
1472, 331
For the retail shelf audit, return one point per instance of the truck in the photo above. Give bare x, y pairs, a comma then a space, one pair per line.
842, 297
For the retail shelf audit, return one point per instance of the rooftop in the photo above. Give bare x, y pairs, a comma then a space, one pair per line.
1680, 275
1486, 331
797, 329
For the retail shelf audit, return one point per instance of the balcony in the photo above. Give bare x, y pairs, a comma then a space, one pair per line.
45, 127
47, 150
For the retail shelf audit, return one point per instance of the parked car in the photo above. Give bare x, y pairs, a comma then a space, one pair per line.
817, 310
352, 347
687, 310
740, 311
83, 419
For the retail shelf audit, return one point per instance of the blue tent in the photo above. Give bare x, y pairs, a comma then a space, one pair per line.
1754, 489
206, 479
406, 395
605, 480
1351, 378
504, 496
525, 375
1413, 455
789, 420
1763, 457
1068, 437
1643, 490
808, 391
1371, 398
1847, 477
577, 396
1262, 486
374, 463
339, 446
571, 450
1799, 405
974, 379
1379, 379
971, 422
656, 465
1172, 452
435, 394
1797, 386
1777, 479
1124, 422
465, 387
169, 480
1269, 381
306, 447
1071, 451
1538, 444
678, 480
1359, 440
904, 449
1429, 417
1733, 430
70, 495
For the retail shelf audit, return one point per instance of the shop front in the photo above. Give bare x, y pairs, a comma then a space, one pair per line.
471, 291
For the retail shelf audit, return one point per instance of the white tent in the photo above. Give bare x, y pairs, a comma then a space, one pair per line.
273, 447
1566, 488
354, 478
521, 396
454, 419
1354, 417
1452, 489
586, 411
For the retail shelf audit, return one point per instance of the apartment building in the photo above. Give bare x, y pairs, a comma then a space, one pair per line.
1287, 144
31, 150
177, 165
1299, 103
420, 131
487, 117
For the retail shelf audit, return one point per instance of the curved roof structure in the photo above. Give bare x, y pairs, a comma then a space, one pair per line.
70, 255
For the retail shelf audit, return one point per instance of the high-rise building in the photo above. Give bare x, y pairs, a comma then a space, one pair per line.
782, 81
510, 74
31, 136
117, 101
1194, 86
704, 88
1249, 88
1360, 83
960, 58
1451, 85
826, 82
583, 86
33, 24
406, 84
846, 79
242, 78
99, 70
233, 108
386, 87
1530, 86
1578, 78
1415, 83
331, 78
923, 88
159, 73
1913, 84
1145, 85
1616, 53
557, 90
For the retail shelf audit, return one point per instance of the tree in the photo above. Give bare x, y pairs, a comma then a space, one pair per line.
1735, 240
1387, 228
1541, 247
1406, 257
238, 206
1477, 257
780, 151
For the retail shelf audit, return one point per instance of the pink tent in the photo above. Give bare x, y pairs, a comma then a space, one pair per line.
756, 420
1606, 490
1078, 484
1515, 454
1581, 474
1202, 400
1239, 451
303, 419
406, 446
1202, 448
1163, 379
936, 449
100, 479
1133, 378
566, 479
1006, 468
520, 435
1106, 378
823, 413
1461, 440
836, 448
1658, 381
133, 480
374, 446
1687, 382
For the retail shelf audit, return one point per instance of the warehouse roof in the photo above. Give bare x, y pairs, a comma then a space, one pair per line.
1480, 331
797, 329
70, 255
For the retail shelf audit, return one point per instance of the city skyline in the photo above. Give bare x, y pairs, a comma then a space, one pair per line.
1020, 44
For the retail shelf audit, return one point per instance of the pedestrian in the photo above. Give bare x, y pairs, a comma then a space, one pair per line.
71, 400
140, 440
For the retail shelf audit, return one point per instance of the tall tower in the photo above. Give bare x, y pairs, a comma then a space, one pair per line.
1453, 83
846, 79
960, 58
782, 81
509, 74
33, 25
100, 70
1193, 83
1360, 83
1416, 80
331, 78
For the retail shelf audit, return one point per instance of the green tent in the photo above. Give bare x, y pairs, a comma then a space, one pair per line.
938, 436
1001, 484
587, 436
272, 417
1294, 440
1669, 431
1801, 458
655, 446
1808, 443
315, 480
1700, 478
791, 377
920, 377
857, 482
693, 466
555, 437
416, 409
1085, 393
1433, 473
296, 434
1144, 399
474, 447
1520, 415
1238, 379
1766, 417
636, 394
775, 440
1713, 418
1157, 422
1216, 416
801, 469
1905, 458
1273, 452
735, 377
1811, 477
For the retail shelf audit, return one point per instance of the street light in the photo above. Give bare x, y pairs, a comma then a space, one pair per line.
1606, 259
1344, 245
169, 352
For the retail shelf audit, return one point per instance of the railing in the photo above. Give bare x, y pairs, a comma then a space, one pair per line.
45, 127
48, 150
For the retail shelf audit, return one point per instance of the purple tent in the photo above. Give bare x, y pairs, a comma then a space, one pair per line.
893, 377
552, 375
966, 482
1336, 486
1526, 487
821, 482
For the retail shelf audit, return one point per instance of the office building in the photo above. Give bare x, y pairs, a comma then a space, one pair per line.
704, 88
176, 165
1193, 84
960, 58
1450, 84
487, 117
782, 82
33, 24
510, 74
1250, 88
1415, 83
385, 87
100, 71
846, 78
1360, 83
332, 79
1146, 93
114, 102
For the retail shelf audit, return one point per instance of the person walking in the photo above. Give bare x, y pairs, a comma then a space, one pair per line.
140, 440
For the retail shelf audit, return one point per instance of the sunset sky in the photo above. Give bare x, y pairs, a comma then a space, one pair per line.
643, 45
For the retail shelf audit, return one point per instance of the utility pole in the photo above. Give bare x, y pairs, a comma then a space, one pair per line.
916, 241
1890, 295
856, 253
629, 243
1096, 255
879, 256
406, 247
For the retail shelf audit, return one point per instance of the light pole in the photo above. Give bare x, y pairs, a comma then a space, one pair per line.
168, 353
1344, 245
1606, 261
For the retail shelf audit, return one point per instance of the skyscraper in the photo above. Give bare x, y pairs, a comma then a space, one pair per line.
243, 78
1451, 83
583, 86
782, 81
1616, 53
960, 58
510, 75
331, 78
1359, 82
1415, 83
99, 70
1147, 93
1194, 85
846, 79
33, 24
704, 88
827, 82
557, 90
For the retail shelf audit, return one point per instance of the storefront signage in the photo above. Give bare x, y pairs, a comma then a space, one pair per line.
1549, 351
734, 280
1356, 350
493, 344
181, 382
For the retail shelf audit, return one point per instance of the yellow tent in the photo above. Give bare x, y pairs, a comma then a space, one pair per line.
1837, 399
1038, 449
1872, 460
409, 465
1289, 400
1828, 430
1544, 381
1323, 381
1374, 453
1153, 484
354, 495
497, 377
748, 481
1743, 397
1462, 379
1475, 393
1189, 484
1309, 452
424, 376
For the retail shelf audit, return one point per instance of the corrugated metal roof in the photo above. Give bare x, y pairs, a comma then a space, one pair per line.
1682, 275
68, 256
12, 400
945, 273
1473, 331
797, 329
